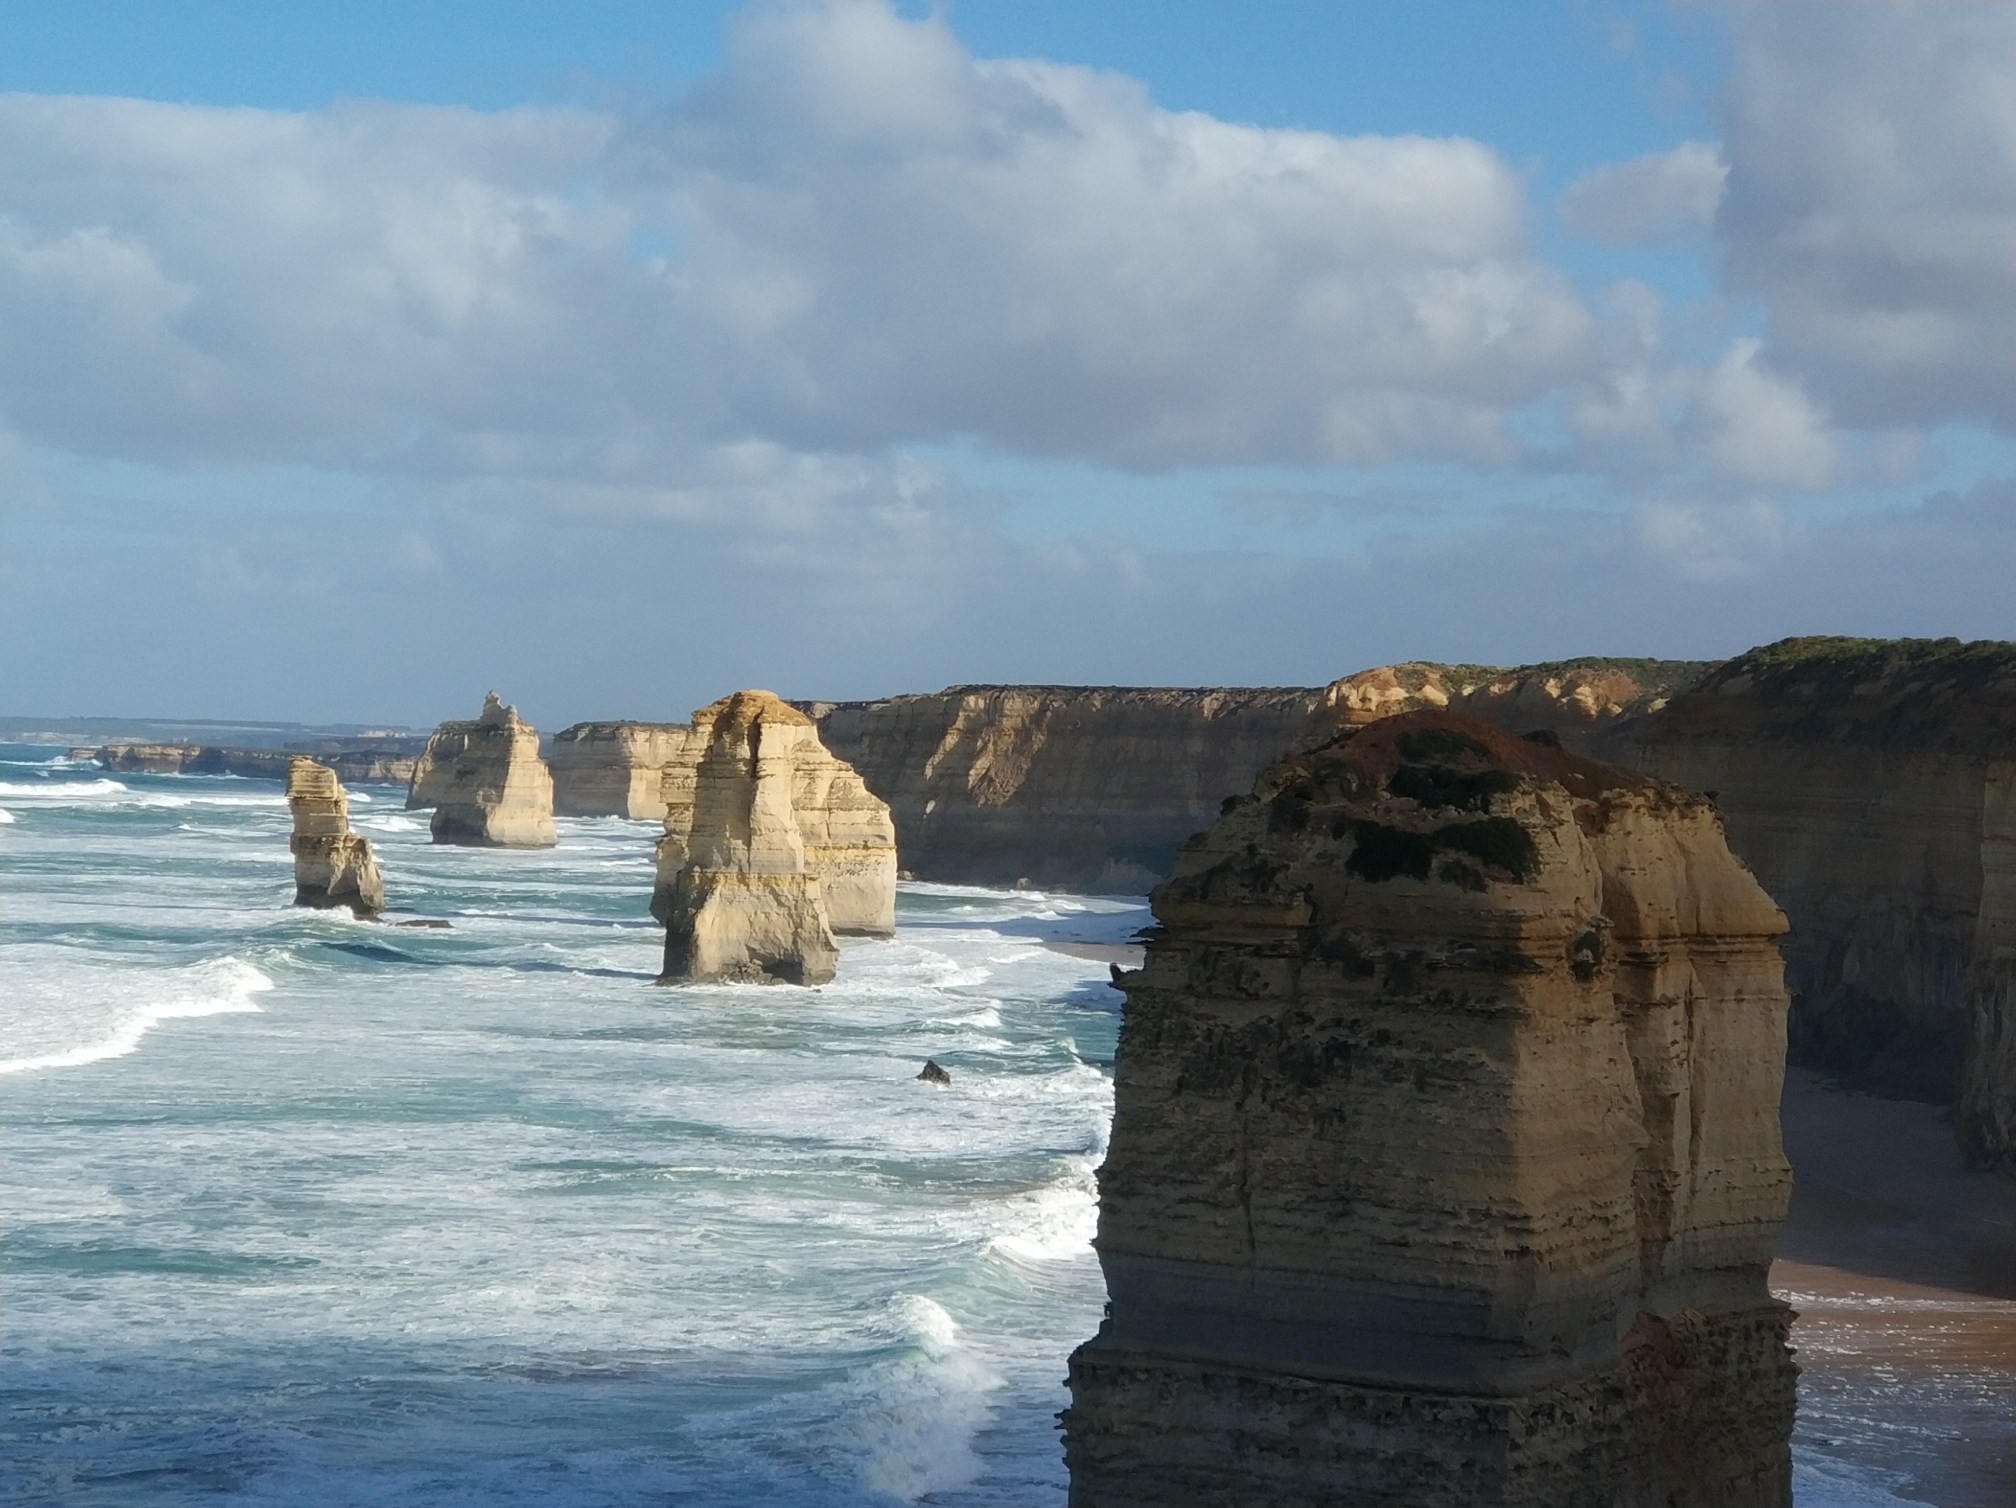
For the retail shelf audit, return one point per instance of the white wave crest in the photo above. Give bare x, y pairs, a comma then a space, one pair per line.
221, 987
63, 790
5, 816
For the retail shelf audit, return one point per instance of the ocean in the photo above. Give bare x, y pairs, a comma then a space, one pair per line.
296, 1209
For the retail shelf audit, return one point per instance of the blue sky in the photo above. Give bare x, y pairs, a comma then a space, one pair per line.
366, 356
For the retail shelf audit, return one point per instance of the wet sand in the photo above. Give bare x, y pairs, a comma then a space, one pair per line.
1902, 1266
1126, 955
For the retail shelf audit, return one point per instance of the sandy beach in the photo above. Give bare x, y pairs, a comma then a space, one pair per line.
1902, 1266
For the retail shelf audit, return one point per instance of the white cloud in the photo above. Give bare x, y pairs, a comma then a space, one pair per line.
1871, 202
1666, 196
868, 237
1762, 428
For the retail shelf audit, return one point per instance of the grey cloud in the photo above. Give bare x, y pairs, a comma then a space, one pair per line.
1295, 505
854, 236
1666, 196
1871, 202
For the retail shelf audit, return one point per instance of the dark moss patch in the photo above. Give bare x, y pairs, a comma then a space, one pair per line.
1385, 853
1500, 842
1439, 788
1463, 876
1430, 745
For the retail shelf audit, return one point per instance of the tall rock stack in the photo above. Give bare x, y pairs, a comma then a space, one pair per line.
1445, 1163
844, 831
332, 865
487, 784
756, 827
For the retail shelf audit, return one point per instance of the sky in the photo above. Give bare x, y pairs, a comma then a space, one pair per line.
356, 359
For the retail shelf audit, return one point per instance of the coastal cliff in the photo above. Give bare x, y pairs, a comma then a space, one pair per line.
1445, 1163
737, 896
1867, 784
1096, 788
332, 865
486, 782
614, 769
363, 766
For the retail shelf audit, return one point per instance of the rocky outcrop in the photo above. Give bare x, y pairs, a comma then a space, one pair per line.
614, 769
737, 892
1866, 784
1096, 788
332, 865
363, 766
1445, 1162
486, 782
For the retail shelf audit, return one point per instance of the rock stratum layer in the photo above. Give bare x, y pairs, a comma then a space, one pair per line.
486, 782
1868, 784
1445, 1162
360, 765
1097, 788
332, 865
615, 769
771, 845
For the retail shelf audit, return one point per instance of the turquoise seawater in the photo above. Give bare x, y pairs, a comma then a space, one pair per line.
296, 1209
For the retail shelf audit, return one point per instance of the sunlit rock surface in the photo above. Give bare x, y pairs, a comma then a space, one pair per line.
332, 865
1097, 787
771, 846
1445, 1161
614, 769
486, 782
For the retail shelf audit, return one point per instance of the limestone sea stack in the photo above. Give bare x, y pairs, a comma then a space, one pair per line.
486, 782
332, 865
1445, 1162
844, 831
736, 888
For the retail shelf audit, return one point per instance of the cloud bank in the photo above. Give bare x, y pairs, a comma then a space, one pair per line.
587, 377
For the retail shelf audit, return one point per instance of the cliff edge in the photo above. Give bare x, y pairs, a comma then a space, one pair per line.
1868, 783
1445, 1162
615, 769
1098, 787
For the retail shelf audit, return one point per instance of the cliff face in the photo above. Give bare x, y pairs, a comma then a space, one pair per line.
1096, 788
332, 865
1864, 782
737, 893
614, 769
1445, 1161
487, 784
361, 765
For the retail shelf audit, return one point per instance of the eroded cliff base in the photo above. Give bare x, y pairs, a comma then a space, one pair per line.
1698, 1410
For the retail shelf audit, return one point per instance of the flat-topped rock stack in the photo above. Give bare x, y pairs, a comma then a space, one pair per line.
615, 769
1445, 1162
757, 828
486, 782
332, 865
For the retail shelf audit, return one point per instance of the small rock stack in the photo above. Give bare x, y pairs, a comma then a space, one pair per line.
332, 865
486, 782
